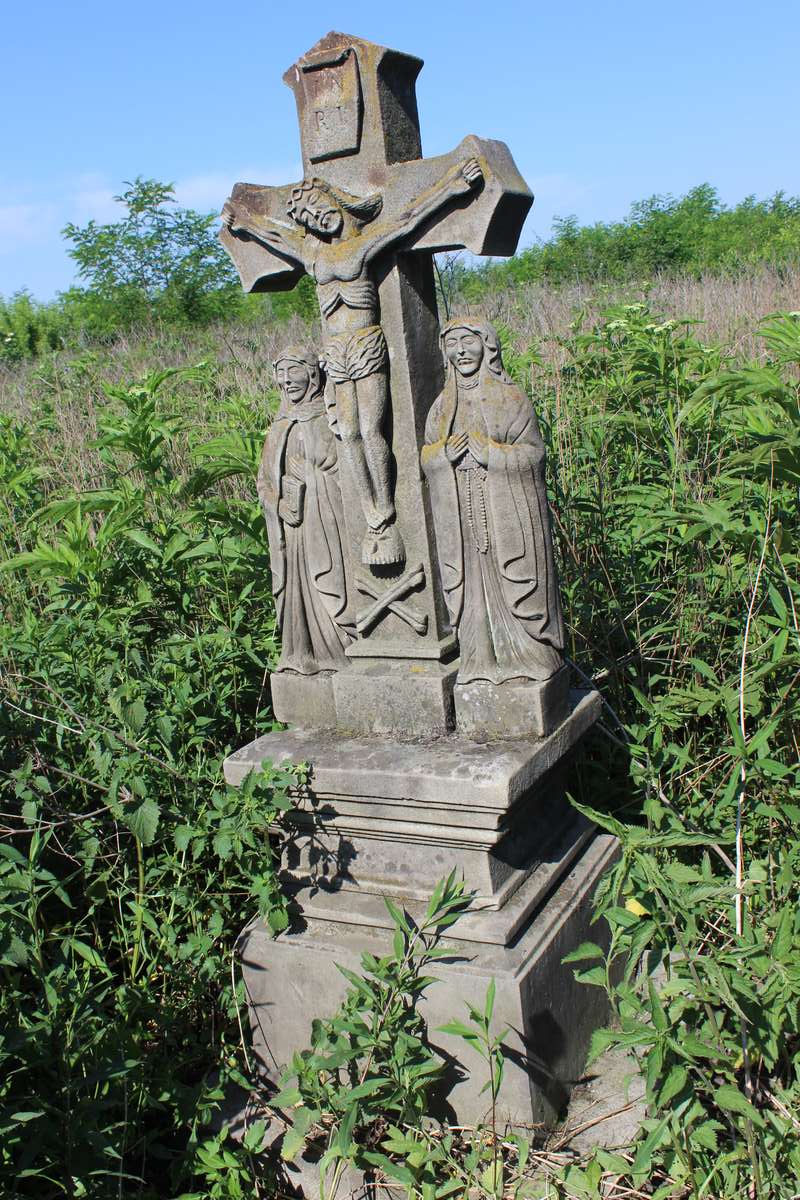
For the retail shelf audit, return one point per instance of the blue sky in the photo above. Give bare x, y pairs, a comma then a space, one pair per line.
601, 104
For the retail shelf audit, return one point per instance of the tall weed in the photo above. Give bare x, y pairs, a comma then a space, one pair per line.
138, 630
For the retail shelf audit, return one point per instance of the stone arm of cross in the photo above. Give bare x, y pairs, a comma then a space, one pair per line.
271, 233
458, 181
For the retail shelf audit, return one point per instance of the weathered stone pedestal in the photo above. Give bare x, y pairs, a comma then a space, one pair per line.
422, 668
382, 817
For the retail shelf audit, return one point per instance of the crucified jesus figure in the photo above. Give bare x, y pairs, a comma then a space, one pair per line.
347, 237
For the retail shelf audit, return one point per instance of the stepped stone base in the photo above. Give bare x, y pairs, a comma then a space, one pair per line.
294, 978
379, 816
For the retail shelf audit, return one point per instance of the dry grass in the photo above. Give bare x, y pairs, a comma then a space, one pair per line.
730, 310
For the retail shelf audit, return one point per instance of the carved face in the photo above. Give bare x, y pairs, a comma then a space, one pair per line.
464, 350
320, 214
293, 379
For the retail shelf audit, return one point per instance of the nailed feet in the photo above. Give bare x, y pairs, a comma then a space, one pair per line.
382, 547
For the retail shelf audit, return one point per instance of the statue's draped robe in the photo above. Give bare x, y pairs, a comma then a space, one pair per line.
307, 560
493, 536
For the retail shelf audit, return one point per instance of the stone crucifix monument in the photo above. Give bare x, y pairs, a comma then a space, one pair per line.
421, 675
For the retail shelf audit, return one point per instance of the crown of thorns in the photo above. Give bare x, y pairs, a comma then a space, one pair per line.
363, 208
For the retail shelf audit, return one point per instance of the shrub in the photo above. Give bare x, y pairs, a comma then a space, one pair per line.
137, 630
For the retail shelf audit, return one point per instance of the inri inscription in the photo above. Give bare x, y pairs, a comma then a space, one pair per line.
331, 108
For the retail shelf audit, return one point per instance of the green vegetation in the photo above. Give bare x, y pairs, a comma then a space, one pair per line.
661, 235
137, 632
159, 262
159, 265
132, 654
162, 265
28, 329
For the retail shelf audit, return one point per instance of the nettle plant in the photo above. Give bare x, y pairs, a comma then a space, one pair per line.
701, 678
361, 1095
138, 630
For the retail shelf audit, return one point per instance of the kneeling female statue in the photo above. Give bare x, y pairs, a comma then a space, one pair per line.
484, 459
298, 485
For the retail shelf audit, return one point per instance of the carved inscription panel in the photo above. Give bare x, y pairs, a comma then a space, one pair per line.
331, 112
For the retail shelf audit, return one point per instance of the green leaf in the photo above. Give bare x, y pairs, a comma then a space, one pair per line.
602, 1039
253, 1140
391, 1169
656, 1008
610, 1161
287, 1098
457, 1029
399, 918
596, 976
673, 1085
491, 1179
490, 997
143, 821
783, 942
293, 1142
222, 844
643, 1161
449, 1188
88, 954
278, 919
695, 1048
729, 1097
135, 715
30, 812
368, 1088
586, 950
706, 1134
183, 836
142, 539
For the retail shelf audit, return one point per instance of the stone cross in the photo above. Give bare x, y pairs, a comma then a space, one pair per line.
407, 509
365, 223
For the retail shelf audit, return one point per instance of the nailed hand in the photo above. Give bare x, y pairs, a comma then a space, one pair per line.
229, 216
472, 173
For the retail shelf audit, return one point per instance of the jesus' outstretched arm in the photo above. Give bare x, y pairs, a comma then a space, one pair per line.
274, 234
458, 181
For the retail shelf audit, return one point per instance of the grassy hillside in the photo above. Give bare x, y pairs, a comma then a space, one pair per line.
137, 635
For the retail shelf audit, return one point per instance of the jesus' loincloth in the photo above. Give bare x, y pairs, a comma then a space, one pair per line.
355, 354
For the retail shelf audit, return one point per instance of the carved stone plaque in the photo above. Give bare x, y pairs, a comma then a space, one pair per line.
330, 108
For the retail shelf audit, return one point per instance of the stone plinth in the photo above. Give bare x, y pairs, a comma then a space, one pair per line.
381, 817
386, 817
294, 978
380, 695
305, 700
520, 708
